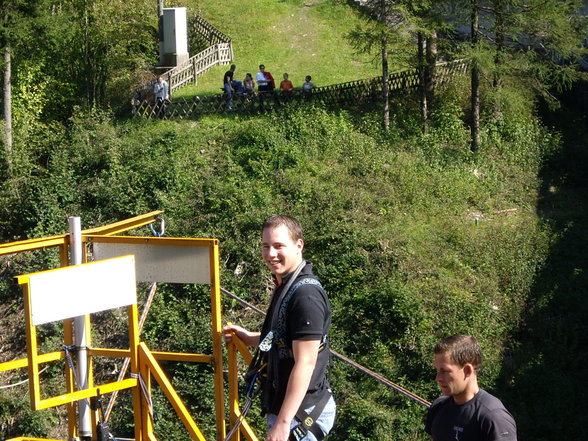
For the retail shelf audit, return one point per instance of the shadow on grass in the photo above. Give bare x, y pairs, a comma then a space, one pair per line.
544, 379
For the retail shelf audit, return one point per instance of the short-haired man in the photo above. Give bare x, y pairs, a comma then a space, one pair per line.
294, 334
465, 412
265, 80
231, 86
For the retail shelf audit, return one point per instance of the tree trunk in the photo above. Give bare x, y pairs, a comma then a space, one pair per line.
385, 88
7, 104
500, 17
475, 82
431, 71
423, 88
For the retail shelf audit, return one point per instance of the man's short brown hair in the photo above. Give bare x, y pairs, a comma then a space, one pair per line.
462, 349
276, 220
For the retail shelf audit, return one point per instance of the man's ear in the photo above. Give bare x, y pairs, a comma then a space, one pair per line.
468, 370
300, 244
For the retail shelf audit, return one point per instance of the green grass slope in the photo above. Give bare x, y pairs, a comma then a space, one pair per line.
413, 237
294, 36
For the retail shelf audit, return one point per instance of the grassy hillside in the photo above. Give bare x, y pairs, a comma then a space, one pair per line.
412, 236
295, 36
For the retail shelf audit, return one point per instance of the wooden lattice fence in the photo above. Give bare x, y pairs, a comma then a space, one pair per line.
219, 50
336, 95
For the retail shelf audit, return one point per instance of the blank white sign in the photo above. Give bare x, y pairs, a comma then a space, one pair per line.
73, 291
161, 263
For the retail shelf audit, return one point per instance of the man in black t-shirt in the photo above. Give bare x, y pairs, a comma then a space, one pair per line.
465, 412
293, 334
230, 86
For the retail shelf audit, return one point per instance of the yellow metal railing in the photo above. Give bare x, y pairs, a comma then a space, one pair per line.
234, 348
144, 363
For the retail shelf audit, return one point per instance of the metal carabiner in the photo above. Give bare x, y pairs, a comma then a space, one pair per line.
162, 228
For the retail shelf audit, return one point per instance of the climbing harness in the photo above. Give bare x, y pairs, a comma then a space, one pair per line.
308, 421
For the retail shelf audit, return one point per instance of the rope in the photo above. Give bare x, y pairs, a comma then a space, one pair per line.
8, 386
67, 349
148, 302
145, 393
127, 360
240, 300
382, 379
356, 365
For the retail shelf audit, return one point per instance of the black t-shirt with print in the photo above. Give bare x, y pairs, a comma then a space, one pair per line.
483, 418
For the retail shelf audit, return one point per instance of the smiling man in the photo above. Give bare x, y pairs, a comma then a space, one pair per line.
465, 412
296, 395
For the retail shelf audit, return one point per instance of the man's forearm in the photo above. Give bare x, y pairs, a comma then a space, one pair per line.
305, 356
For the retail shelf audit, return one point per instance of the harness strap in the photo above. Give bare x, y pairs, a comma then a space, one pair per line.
308, 420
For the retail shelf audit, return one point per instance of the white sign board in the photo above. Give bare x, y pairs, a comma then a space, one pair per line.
74, 291
161, 263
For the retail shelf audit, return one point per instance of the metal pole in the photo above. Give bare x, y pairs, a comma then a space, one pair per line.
80, 338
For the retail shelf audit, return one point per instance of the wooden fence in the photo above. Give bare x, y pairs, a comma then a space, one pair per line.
336, 95
219, 51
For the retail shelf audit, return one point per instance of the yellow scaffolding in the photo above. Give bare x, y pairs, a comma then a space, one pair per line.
144, 363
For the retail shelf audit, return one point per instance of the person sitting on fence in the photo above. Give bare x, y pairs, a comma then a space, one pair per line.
307, 87
286, 88
265, 80
230, 86
249, 85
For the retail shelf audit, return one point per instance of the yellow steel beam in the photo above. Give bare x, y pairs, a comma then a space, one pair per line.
159, 355
242, 348
63, 239
27, 438
187, 357
107, 352
233, 386
134, 342
146, 411
124, 225
32, 244
33, 363
24, 362
248, 431
86, 393
170, 393
217, 340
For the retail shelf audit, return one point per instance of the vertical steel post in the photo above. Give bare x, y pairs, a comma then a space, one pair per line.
80, 336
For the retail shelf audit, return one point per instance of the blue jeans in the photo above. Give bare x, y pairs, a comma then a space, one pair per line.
325, 421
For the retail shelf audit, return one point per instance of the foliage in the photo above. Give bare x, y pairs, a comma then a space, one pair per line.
413, 237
